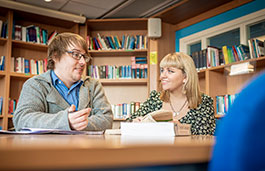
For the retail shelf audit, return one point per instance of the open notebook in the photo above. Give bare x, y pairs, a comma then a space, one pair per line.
50, 131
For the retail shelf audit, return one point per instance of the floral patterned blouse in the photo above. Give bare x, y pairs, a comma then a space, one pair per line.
202, 118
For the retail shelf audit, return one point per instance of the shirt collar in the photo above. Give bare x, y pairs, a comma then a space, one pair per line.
56, 80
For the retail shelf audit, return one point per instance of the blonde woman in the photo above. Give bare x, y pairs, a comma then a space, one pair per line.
181, 94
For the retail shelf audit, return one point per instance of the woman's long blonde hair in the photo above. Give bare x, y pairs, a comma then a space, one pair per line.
191, 87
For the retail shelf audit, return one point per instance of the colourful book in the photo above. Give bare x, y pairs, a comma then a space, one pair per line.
123, 42
116, 42
225, 53
132, 43
235, 53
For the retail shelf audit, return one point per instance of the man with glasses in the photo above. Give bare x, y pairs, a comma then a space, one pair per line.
60, 98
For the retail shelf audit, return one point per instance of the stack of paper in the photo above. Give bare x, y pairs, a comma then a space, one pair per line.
154, 129
242, 68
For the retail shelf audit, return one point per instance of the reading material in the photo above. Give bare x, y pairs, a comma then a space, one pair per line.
156, 116
50, 131
162, 115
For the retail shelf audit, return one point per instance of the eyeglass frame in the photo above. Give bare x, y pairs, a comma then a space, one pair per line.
85, 56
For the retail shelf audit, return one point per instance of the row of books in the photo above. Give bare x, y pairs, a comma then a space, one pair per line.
28, 66
109, 72
33, 34
116, 72
213, 56
3, 29
2, 63
138, 60
124, 110
12, 106
235, 53
139, 67
129, 42
1, 105
223, 103
30, 33
257, 48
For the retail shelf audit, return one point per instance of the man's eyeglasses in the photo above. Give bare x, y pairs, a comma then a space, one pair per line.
78, 56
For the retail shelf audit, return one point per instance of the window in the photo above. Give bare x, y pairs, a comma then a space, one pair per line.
234, 32
256, 30
195, 47
229, 38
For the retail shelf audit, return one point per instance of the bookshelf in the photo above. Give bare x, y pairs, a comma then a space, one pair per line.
122, 90
11, 82
4, 49
223, 82
215, 81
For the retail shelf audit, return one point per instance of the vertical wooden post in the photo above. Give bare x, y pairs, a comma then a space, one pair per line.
7, 69
153, 68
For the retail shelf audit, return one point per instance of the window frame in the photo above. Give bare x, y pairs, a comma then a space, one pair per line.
204, 35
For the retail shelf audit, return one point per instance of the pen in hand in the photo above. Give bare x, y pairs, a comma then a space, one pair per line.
78, 120
71, 109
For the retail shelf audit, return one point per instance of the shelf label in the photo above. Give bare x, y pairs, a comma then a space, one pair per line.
153, 57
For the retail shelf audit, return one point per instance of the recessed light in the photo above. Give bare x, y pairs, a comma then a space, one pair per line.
47, 0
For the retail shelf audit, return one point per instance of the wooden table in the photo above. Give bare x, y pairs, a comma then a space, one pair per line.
100, 151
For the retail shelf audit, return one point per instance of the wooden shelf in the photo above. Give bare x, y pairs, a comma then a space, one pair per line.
43, 20
201, 73
21, 75
1, 116
10, 116
104, 53
124, 81
2, 41
216, 81
217, 116
116, 119
29, 45
2, 73
259, 62
117, 24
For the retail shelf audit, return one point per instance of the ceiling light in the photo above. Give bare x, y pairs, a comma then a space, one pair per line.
42, 11
48, 0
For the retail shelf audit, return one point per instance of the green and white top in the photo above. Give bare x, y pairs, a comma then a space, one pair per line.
202, 118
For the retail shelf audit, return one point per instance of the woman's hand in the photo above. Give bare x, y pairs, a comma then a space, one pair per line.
138, 119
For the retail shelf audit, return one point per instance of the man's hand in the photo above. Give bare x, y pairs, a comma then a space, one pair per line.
78, 119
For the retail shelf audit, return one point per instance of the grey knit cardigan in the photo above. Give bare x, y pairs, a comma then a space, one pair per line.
40, 105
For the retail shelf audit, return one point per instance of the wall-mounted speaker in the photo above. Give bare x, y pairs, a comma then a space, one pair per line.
154, 28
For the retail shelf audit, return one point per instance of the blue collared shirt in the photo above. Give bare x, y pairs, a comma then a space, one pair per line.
71, 95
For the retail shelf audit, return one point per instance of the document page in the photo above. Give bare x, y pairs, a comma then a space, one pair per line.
50, 131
